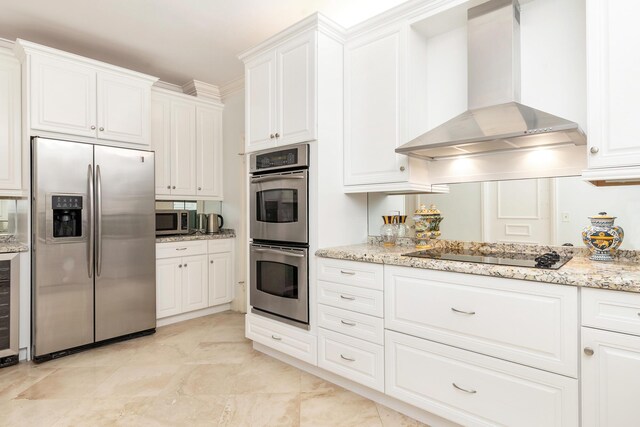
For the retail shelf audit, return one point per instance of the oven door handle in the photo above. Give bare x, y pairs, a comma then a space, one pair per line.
275, 178
277, 252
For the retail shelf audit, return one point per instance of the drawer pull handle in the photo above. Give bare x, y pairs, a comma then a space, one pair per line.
277, 338
463, 389
588, 351
470, 313
347, 298
351, 273
348, 323
181, 249
348, 359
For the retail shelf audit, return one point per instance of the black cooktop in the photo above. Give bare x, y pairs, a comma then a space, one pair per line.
549, 260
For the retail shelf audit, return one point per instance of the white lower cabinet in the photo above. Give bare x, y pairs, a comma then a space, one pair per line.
352, 358
357, 325
192, 276
473, 389
286, 339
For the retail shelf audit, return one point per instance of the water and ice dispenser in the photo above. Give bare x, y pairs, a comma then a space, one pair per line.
67, 216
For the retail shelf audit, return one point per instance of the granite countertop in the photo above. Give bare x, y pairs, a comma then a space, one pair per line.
9, 244
623, 274
225, 233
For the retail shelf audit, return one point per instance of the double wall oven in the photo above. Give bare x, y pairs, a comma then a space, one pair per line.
279, 229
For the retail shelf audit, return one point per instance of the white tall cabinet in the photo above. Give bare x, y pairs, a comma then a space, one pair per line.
281, 101
79, 97
10, 134
612, 88
187, 138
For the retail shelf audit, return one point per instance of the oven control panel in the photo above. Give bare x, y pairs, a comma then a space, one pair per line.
293, 157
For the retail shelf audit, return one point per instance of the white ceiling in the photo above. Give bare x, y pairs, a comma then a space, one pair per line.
176, 40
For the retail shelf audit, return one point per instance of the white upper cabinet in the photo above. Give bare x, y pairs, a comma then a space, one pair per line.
10, 143
281, 93
186, 135
72, 95
612, 85
123, 108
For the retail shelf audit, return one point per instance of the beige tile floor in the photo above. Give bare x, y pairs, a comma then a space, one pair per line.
196, 373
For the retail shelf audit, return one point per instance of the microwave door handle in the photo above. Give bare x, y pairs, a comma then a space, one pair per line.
275, 178
277, 252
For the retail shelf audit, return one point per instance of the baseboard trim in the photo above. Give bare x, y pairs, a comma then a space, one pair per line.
192, 315
381, 398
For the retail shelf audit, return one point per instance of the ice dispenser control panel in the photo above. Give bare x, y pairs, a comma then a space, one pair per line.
67, 216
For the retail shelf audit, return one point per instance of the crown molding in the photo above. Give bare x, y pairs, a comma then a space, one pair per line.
315, 21
7, 44
232, 87
202, 90
168, 86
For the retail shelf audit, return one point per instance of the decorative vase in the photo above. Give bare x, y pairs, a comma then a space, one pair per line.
400, 221
389, 231
602, 238
427, 225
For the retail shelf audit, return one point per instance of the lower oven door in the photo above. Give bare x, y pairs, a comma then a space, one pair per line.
279, 281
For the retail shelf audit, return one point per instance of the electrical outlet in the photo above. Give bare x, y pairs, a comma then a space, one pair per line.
565, 216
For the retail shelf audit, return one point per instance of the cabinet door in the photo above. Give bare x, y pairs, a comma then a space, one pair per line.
209, 152
612, 83
10, 156
375, 68
220, 278
63, 96
123, 108
296, 99
194, 282
609, 377
183, 148
161, 141
168, 287
260, 102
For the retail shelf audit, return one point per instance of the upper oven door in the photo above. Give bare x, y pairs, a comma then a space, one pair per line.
279, 207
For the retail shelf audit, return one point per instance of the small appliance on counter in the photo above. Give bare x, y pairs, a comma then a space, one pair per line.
172, 221
602, 238
214, 223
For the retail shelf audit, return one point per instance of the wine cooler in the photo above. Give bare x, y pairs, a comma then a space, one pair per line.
9, 292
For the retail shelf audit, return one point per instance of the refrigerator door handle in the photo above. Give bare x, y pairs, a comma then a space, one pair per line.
98, 222
89, 222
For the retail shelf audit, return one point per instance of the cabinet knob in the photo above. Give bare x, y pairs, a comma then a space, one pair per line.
402, 168
277, 135
594, 150
93, 127
174, 187
180, 266
199, 188
185, 265
101, 129
211, 262
168, 187
588, 351
272, 136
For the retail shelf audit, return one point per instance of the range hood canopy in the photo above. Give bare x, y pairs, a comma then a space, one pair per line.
495, 121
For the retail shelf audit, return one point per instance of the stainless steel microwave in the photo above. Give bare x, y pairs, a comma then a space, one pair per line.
172, 221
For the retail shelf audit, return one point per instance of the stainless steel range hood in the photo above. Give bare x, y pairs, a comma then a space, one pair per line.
495, 121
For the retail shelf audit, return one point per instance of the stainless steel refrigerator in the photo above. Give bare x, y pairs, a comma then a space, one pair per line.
93, 260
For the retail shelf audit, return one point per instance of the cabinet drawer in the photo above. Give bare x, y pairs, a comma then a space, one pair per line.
354, 359
220, 245
611, 310
350, 323
525, 322
473, 389
362, 300
284, 338
179, 249
363, 274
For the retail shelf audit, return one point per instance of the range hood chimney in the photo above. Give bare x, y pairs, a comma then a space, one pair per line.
495, 120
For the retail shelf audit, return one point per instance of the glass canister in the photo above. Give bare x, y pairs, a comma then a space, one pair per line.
427, 225
602, 237
401, 224
389, 231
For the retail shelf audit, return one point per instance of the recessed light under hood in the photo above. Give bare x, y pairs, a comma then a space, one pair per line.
495, 121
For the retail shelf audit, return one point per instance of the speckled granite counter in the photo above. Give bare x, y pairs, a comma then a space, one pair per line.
8, 244
622, 274
226, 233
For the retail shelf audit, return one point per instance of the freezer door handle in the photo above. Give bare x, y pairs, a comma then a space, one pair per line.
98, 222
89, 221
